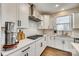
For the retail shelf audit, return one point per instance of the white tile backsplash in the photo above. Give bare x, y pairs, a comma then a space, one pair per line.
31, 31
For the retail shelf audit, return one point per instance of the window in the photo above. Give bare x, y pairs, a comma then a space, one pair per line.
63, 23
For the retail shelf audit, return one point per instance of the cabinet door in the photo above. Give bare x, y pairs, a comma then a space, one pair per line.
59, 43
74, 52
16, 53
32, 50
23, 13
46, 21
29, 50
53, 42
48, 38
26, 51
45, 42
67, 44
41, 26
39, 47
9, 13
75, 20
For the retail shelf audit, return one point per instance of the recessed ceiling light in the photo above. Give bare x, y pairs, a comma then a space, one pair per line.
62, 9
57, 5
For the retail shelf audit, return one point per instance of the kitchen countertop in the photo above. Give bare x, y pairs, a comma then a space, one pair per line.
76, 46
27, 41
21, 44
62, 36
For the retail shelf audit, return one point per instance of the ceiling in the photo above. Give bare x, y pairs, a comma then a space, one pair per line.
51, 7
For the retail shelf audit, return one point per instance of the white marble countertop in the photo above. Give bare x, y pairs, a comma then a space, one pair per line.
21, 44
76, 46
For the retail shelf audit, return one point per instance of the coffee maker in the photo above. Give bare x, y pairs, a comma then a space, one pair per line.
10, 38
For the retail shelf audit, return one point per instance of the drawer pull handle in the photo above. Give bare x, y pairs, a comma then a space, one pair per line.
41, 44
26, 49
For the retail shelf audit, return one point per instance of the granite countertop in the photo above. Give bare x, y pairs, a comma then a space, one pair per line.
76, 46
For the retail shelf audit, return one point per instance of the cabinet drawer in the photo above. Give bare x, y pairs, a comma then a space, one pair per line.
16, 53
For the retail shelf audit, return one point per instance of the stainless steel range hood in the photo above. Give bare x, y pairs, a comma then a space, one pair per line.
31, 17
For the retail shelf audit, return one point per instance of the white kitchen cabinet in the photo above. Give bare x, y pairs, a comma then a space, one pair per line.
67, 44
25, 51
32, 49
23, 14
74, 52
48, 40
39, 46
42, 22
75, 17
59, 43
45, 21
29, 50
62, 43
16, 53
52, 41
9, 13
45, 42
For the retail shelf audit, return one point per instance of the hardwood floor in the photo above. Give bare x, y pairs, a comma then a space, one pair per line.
55, 52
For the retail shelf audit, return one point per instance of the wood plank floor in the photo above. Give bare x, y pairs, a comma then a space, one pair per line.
55, 52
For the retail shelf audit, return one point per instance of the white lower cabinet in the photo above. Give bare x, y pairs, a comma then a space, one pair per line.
48, 38
30, 50
67, 44
26, 51
37, 47
58, 43
51, 41
62, 43
45, 42
33, 49
16, 53
40, 46
74, 52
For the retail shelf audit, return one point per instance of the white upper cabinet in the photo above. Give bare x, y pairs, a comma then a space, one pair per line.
45, 22
23, 13
75, 20
9, 13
